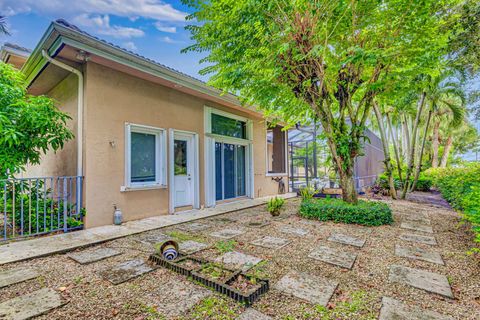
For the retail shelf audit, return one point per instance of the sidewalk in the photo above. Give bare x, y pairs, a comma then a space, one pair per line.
39, 247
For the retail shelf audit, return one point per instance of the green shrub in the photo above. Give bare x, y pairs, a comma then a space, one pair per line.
460, 186
307, 193
424, 182
367, 213
274, 205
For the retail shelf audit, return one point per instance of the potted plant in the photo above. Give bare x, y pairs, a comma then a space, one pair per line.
274, 206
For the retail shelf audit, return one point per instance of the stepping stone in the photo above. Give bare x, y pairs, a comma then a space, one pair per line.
193, 226
30, 305
288, 229
238, 260
252, 314
190, 246
13, 276
153, 239
257, 224
395, 310
174, 296
419, 239
227, 233
425, 280
225, 220
86, 257
126, 271
417, 219
420, 215
412, 225
314, 289
419, 254
271, 242
345, 239
333, 256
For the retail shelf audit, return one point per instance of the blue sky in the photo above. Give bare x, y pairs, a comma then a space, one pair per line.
152, 28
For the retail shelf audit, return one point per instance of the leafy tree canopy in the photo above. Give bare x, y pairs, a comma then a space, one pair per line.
302, 59
29, 125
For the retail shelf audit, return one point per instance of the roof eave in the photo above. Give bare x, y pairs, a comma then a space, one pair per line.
58, 36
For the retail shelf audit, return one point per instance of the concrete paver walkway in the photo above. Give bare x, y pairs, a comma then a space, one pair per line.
38, 247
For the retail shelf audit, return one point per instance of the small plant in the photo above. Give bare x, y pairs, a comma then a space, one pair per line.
274, 206
307, 193
182, 236
226, 246
215, 272
259, 271
244, 284
215, 308
359, 305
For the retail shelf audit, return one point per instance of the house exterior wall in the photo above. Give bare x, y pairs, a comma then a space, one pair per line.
64, 161
113, 99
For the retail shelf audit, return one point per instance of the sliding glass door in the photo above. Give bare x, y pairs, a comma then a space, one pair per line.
229, 171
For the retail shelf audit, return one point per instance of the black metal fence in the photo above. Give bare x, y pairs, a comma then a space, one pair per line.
35, 206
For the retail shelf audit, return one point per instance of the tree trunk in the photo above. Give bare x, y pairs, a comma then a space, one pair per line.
406, 137
420, 156
446, 152
411, 158
386, 151
435, 144
395, 148
343, 169
349, 193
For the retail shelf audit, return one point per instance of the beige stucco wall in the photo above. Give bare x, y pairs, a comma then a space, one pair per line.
63, 162
113, 99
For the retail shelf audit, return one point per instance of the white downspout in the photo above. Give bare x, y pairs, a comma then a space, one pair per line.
79, 120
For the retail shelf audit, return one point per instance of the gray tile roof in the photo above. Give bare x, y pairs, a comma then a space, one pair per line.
73, 27
16, 47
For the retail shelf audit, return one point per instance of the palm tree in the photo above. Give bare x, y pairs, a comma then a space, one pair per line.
445, 96
3, 25
450, 111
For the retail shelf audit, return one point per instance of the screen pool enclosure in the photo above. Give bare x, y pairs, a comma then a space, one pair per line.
310, 163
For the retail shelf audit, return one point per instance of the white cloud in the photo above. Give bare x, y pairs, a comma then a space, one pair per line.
101, 25
149, 9
167, 39
129, 45
161, 27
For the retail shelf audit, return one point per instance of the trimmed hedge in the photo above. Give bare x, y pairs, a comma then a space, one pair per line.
368, 213
460, 186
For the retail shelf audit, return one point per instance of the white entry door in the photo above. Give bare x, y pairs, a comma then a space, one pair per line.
183, 169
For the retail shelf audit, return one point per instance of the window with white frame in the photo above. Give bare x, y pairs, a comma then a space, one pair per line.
276, 151
228, 125
145, 156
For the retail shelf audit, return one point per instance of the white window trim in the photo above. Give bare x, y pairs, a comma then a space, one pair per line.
281, 174
160, 156
208, 124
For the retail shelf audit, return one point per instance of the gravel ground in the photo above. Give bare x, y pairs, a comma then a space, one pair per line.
358, 296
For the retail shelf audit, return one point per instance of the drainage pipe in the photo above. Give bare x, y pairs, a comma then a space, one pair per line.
79, 122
